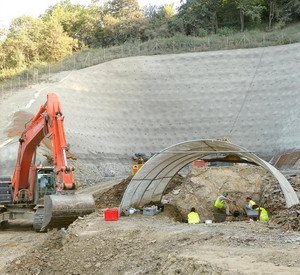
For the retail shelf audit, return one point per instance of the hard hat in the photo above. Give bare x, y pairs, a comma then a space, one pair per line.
225, 193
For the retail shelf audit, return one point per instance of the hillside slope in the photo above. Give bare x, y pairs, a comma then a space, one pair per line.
144, 104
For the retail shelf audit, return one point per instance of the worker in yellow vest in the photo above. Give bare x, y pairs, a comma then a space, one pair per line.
221, 203
193, 216
263, 213
250, 203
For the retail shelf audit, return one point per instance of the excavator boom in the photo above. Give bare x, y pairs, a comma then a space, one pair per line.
64, 207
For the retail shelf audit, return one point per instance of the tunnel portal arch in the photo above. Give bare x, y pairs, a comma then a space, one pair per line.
149, 183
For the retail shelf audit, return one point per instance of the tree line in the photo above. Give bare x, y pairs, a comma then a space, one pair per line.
66, 28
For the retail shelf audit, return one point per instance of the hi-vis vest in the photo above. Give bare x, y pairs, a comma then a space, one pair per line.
251, 203
193, 217
219, 203
263, 214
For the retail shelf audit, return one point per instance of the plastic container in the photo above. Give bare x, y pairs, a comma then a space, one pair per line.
149, 211
199, 163
131, 210
111, 214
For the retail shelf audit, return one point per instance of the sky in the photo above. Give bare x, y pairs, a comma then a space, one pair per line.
10, 9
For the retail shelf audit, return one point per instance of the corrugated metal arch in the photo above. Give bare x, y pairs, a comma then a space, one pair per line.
152, 179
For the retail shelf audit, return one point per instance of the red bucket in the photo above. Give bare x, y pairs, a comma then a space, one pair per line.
111, 214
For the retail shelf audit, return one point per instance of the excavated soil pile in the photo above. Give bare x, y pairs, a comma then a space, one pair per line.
203, 185
112, 197
140, 244
273, 200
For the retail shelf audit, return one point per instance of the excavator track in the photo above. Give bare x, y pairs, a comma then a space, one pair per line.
38, 219
5, 190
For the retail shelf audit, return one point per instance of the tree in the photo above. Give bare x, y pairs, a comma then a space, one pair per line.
123, 10
280, 11
121, 22
157, 21
200, 15
25, 34
55, 43
168, 10
2, 53
74, 18
251, 8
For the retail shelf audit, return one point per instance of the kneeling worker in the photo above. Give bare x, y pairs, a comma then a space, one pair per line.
221, 203
250, 203
193, 216
263, 213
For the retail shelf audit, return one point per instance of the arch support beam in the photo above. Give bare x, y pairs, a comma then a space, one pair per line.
151, 180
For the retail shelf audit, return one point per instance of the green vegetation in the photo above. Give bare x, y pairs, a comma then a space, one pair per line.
66, 28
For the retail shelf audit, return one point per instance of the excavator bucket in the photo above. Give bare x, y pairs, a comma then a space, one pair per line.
61, 210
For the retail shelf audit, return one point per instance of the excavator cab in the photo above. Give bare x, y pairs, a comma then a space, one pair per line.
45, 184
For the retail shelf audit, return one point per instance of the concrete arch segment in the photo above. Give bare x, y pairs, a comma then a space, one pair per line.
152, 179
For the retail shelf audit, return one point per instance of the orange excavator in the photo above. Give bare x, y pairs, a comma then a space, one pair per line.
45, 195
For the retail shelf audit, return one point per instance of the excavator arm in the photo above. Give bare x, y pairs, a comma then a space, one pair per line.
47, 122
63, 208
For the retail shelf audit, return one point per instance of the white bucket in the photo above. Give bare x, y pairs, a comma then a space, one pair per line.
208, 221
131, 210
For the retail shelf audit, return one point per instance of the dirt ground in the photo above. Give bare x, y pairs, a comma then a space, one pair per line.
16, 239
141, 244
160, 244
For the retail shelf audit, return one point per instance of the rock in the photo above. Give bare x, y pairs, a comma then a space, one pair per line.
87, 266
97, 265
176, 192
